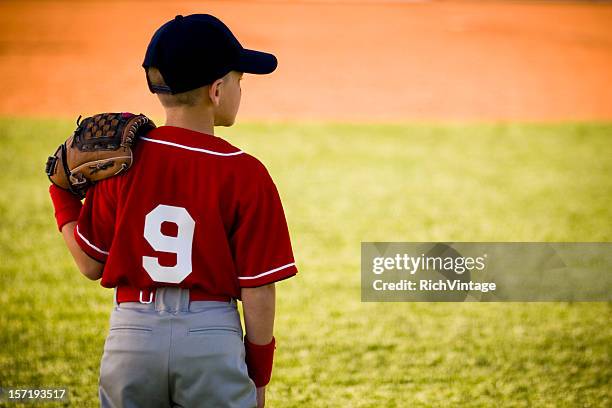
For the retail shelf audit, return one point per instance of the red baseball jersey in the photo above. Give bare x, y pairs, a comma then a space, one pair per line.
193, 211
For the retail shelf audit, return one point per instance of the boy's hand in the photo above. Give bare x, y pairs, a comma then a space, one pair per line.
261, 397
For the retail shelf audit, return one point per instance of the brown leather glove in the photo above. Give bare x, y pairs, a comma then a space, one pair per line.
101, 147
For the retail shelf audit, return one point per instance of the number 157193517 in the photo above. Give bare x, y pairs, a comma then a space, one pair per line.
25, 393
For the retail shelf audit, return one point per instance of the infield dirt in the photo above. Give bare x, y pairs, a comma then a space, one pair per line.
353, 60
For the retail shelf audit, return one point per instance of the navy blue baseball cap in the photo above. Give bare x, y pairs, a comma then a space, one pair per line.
196, 50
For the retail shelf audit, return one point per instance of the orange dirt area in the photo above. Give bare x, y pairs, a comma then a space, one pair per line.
347, 60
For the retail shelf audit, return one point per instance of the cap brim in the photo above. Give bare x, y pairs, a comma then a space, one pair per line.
256, 62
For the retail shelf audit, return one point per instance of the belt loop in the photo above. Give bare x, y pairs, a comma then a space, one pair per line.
159, 302
115, 303
184, 299
146, 302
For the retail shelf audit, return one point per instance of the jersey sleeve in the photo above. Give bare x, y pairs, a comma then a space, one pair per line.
260, 243
96, 224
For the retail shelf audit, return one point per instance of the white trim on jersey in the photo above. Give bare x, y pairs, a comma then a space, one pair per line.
268, 272
191, 148
89, 243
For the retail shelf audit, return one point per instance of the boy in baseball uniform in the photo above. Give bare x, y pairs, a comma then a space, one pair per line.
195, 224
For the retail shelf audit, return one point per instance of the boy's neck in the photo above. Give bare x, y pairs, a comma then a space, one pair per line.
197, 120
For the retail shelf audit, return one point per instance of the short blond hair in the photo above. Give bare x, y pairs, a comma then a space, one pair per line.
189, 98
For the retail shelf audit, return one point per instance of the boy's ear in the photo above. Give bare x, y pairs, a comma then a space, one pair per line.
214, 91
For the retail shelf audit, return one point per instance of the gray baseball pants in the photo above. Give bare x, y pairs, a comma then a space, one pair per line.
175, 353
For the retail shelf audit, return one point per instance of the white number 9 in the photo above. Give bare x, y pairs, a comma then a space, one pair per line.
180, 245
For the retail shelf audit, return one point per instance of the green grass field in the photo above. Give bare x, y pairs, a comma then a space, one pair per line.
343, 184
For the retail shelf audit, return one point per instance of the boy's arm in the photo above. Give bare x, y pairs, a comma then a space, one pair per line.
67, 209
88, 266
262, 252
258, 305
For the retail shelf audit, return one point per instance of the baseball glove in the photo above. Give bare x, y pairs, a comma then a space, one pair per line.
101, 147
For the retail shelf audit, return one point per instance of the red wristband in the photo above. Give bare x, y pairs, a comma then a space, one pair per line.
259, 361
67, 206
